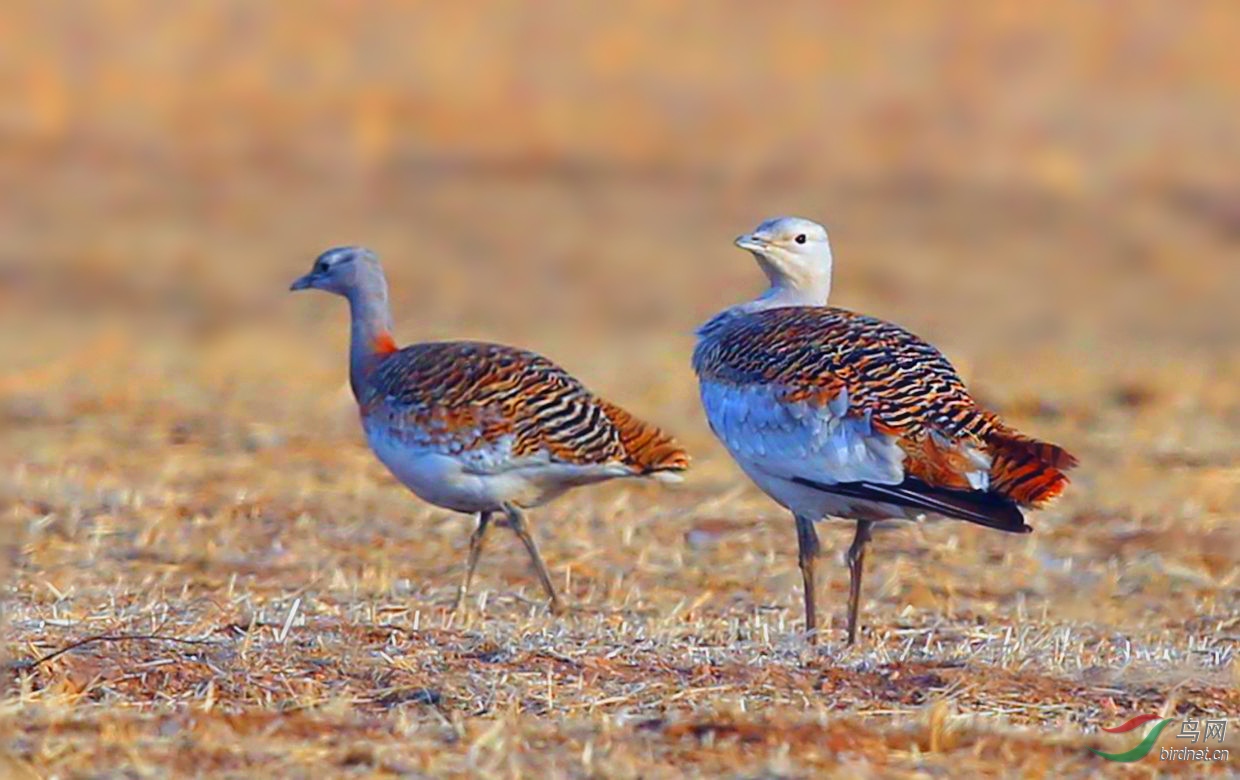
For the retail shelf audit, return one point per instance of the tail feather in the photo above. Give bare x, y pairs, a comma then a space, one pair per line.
1028, 471
646, 446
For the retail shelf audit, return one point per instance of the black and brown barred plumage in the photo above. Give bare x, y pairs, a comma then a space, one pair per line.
905, 386
464, 396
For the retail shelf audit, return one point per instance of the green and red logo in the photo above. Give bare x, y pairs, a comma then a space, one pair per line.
1144, 746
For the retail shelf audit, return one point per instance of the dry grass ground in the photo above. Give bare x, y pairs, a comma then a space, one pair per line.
212, 576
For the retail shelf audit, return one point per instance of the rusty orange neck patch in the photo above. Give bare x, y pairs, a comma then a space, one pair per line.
383, 344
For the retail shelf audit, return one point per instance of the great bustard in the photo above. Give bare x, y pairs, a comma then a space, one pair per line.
480, 428
837, 414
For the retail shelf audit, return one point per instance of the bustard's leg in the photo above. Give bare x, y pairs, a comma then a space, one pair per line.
807, 551
475, 551
516, 520
856, 561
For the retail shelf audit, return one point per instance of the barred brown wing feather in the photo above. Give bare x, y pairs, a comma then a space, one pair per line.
484, 392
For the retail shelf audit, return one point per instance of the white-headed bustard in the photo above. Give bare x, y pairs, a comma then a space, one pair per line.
838, 414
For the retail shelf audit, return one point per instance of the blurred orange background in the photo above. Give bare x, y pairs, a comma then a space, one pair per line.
1045, 190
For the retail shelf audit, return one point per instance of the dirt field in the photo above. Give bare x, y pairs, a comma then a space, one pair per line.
209, 573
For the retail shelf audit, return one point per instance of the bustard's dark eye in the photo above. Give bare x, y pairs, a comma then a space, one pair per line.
800, 239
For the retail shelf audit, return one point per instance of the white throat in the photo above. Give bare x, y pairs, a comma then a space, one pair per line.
793, 284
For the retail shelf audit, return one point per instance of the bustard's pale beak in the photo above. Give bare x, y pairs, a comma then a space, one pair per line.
750, 242
304, 283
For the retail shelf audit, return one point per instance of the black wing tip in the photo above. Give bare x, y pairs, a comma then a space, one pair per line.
986, 509
1003, 509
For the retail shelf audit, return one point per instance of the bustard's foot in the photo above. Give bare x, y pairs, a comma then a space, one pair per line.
558, 608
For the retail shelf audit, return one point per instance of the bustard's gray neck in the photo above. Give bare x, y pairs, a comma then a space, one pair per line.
371, 327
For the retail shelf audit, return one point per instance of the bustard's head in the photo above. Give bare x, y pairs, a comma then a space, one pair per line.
345, 270
795, 256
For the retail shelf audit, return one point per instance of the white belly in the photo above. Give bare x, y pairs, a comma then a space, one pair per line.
817, 505
774, 442
479, 481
